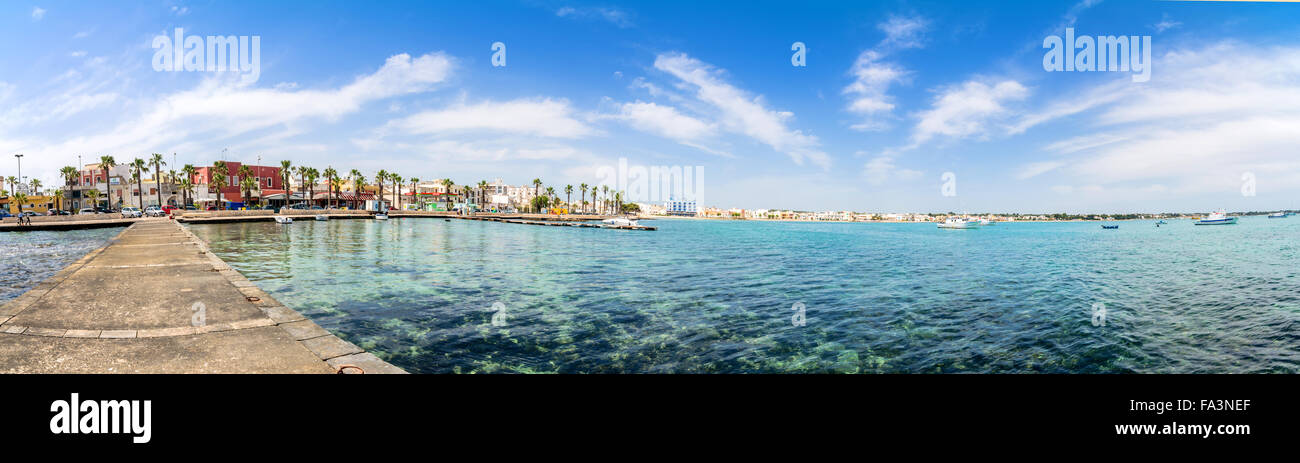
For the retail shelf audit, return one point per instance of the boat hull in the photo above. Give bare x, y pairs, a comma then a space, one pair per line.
1227, 221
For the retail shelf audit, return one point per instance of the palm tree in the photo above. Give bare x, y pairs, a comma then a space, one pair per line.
285, 170
156, 161
605, 189
219, 171
246, 173
68, 173
482, 192
187, 190
379, 182
447, 184
107, 162
36, 186
337, 185
568, 198
58, 198
137, 171
618, 202
19, 199
189, 171
537, 185
414, 181
94, 197
397, 188
312, 176
357, 180
550, 197
330, 173
583, 187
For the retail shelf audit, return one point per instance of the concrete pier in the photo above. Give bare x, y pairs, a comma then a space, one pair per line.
154, 300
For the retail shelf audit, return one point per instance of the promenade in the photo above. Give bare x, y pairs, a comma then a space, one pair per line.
154, 300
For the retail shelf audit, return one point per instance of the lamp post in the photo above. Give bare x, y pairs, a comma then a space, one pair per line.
20, 171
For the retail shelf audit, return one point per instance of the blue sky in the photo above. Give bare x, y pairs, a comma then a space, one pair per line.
894, 95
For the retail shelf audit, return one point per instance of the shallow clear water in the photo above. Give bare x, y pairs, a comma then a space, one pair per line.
28, 258
714, 296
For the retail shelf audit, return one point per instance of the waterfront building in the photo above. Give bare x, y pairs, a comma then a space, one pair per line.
680, 208
267, 178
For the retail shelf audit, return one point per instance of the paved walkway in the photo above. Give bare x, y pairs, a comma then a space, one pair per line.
130, 307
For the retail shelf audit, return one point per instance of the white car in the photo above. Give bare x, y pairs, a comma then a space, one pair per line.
87, 211
131, 212
154, 211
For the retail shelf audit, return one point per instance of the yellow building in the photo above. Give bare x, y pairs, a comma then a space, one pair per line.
34, 203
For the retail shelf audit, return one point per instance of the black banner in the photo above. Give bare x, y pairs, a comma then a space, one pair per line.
189, 412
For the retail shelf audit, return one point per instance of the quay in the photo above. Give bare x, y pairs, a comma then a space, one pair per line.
156, 300
581, 221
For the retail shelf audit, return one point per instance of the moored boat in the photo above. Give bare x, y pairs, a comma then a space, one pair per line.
1278, 215
953, 223
1217, 218
280, 219
1110, 227
322, 217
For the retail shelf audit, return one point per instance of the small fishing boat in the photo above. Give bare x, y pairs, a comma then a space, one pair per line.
280, 219
621, 222
953, 223
1217, 218
1278, 215
1162, 222
381, 216
1110, 227
322, 217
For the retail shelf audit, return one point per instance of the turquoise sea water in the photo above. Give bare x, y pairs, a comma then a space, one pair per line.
717, 296
28, 258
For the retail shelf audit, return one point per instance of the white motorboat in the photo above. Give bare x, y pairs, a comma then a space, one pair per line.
954, 223
1217, 218
621, 222
322, 217
381, 216
280, 219
1278, 215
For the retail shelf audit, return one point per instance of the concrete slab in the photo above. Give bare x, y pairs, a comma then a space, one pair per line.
258, 350
130, 308
138, 298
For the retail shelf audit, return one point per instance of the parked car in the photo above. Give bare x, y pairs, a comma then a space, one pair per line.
87, 210
59, 212
31, 214
191, 208
154, 211
131, 212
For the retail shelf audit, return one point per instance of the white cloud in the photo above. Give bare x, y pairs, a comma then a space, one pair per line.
539, 117
1165, 24
38, 13
903, 31
881, 169
1225, 110
966, 110
873, 76
77, 54
665, 121
221, 110
1035, 169
741, 113
614, 16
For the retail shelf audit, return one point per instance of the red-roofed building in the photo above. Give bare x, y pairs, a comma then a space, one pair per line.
268, 178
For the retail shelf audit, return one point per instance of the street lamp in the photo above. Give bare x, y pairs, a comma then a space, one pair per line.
20, 170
